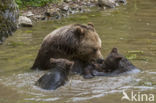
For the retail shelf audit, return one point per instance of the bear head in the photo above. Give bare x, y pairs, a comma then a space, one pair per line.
89, 42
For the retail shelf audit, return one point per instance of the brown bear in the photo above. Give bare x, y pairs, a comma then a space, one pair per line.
57, 76
76, 42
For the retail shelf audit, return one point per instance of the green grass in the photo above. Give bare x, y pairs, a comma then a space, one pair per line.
34, 3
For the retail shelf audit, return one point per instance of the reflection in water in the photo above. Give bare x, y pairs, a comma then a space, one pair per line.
129, 28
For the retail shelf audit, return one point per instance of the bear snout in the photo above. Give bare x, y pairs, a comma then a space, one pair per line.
99, 55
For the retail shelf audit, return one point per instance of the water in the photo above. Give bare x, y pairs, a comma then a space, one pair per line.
130, 28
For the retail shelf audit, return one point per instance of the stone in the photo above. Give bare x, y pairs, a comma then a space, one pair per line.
65, 7
67, 1
8, 18
108, 3
24, 21
28, 14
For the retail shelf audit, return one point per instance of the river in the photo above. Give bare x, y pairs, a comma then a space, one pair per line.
130, 28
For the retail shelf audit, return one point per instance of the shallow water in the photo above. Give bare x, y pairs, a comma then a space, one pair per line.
130, 28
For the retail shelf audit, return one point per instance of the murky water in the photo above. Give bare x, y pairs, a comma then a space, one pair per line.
130, 28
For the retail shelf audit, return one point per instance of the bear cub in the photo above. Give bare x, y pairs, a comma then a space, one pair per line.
114, 64
95, 68
57, 76
117, 63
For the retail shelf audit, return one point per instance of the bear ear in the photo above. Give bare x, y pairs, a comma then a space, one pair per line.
91, 24
114, 50
79, 31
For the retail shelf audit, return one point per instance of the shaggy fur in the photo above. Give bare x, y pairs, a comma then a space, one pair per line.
74, 42
57, 76
117, 63
114, 64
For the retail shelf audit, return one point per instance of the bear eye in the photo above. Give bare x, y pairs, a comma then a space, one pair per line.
95, 50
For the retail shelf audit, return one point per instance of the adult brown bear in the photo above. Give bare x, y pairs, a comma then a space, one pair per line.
76, 42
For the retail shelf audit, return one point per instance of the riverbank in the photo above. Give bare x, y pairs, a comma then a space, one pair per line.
29, 14
63, 9
59, 10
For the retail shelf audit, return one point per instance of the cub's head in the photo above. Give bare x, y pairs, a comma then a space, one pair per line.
62, 63
89, 42
113, 60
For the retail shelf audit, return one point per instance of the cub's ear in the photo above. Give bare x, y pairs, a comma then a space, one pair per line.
118, 58
114, 50
79, 31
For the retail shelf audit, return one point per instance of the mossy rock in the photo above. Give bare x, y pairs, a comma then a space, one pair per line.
8, 18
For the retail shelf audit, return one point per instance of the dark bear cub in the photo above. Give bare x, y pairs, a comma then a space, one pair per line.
95, 68
57, 76
116, 63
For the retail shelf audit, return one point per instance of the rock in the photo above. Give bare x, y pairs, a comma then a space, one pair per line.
65, 7
8, 18
28, 14
38, 17
67, 1
56, 15
24, 21
122, 1
53, 13
108, 3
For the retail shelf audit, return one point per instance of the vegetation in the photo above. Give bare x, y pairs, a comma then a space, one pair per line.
34, 3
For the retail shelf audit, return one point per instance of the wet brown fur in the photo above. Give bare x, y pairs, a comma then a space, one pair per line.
73, 42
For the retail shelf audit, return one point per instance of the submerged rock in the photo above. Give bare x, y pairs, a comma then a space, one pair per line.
24, 21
